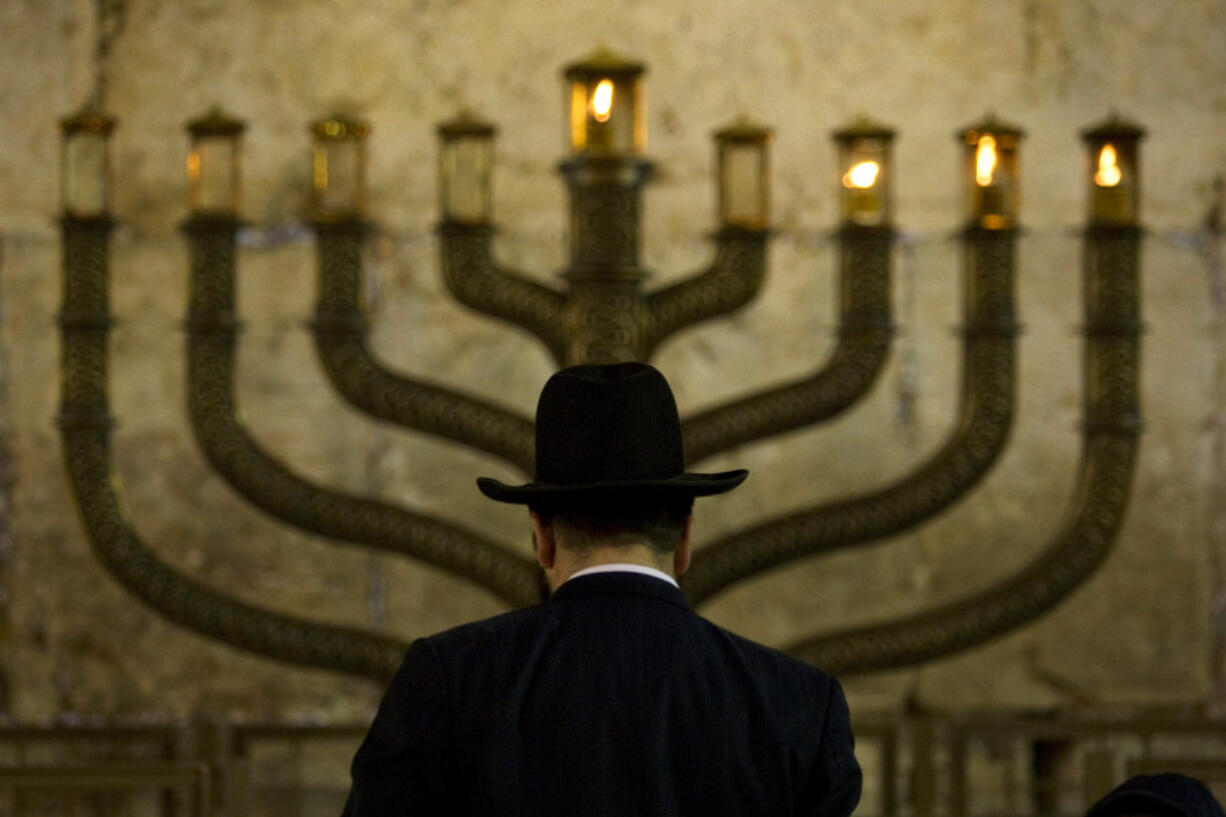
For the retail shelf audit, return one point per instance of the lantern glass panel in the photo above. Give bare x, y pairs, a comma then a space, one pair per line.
212, 172
606, 115
339, 170
466, 178
992, 179
743, 194
865, 164
1113, 183
86, 174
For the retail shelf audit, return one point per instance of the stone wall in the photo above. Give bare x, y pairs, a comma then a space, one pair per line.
1144, 632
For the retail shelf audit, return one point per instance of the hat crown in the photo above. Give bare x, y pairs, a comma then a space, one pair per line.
607, 423
609, 433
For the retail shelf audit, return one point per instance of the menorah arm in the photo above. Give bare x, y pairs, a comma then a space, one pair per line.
858, 358
1086, 539
194, 605
979, 436
476, 280
732, 280
1112, 423
263, 480
85, 424
340, 329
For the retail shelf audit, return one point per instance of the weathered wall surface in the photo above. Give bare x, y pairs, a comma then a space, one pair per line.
1142, 632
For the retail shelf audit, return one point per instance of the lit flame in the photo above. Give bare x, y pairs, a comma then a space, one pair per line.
1109, 173
985, 160
602, 100
862, 175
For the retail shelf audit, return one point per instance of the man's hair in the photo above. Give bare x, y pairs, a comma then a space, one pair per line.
582, 527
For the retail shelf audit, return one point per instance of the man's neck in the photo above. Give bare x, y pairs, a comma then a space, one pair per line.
568, 563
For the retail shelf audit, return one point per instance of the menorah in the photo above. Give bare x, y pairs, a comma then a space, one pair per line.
601, 312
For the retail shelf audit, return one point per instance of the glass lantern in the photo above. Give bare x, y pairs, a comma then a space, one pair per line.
743, 160
864, 172
466, 164
213, 164
86, 164
992, 173
605, 99
339, 168
1113, 179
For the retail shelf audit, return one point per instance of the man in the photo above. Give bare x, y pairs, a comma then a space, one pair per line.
1158, 795
612, 698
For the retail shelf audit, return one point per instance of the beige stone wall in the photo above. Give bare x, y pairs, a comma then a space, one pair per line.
1142, 632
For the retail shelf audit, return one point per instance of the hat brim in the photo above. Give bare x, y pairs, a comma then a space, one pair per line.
681, 487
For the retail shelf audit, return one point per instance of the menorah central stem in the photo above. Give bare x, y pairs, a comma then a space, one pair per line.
606, 315
605, 193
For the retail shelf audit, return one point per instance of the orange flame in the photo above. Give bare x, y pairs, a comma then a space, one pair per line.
602, 100
1109, 173
985, 160
862, 175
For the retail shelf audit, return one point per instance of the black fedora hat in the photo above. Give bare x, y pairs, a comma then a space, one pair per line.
609, 432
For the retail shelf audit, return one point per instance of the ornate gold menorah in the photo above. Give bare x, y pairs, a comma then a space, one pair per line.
601, 312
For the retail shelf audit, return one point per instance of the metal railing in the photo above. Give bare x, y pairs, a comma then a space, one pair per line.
923, 766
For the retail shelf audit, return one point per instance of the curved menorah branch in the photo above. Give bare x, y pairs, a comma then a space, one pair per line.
212, 338
1112, 425
84, 423
476, 280
340, 329
732, 280
985, 420
858, 358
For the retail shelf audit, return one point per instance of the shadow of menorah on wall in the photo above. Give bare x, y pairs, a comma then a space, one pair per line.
603, 313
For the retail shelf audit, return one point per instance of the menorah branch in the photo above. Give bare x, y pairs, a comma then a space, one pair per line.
341, 329
270, 486
85, 430
732, 281
474, 278
1112, 426
860, 354
985, 419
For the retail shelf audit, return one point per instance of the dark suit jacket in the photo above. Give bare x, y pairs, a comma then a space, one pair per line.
613, 698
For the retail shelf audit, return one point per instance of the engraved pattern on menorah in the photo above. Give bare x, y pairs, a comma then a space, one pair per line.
602, 313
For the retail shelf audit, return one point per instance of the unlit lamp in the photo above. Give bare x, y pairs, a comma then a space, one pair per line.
213, 164
604, 95
865, 172
743, 160
992, 173
466, 160
338, 168
86, 164
1114, 182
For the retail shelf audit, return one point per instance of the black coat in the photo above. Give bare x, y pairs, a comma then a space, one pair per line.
615, 699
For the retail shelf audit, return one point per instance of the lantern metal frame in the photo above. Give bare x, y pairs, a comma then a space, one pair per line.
993, 206
1119, 205
329, 134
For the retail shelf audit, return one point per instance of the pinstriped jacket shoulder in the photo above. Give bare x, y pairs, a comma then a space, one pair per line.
613, 698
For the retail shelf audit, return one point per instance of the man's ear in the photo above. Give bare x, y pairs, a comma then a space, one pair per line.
542, 539
681, 556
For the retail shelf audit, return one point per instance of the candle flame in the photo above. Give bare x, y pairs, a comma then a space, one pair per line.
1109, 173
602, 100
862, 175
985, 160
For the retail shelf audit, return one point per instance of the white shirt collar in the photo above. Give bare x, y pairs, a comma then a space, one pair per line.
622, 567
